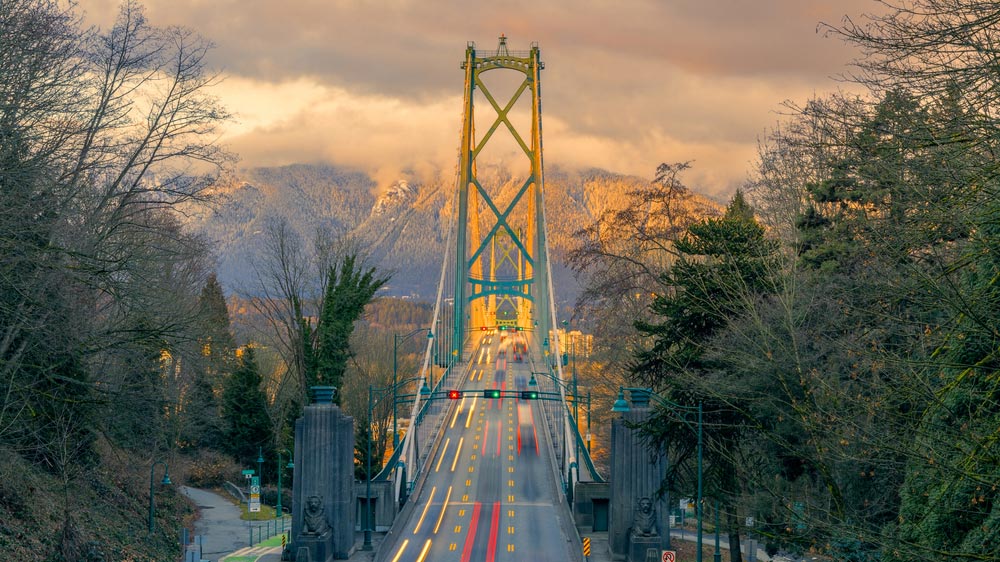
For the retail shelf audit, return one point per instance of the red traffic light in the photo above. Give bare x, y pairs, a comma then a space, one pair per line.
454, 394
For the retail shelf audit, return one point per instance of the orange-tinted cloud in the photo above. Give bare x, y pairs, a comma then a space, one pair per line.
628, 84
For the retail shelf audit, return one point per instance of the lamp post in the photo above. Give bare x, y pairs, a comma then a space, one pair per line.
165, 482
260, 464
424, 391
277, 505
396, 340
717, 557
621, 405
576, 407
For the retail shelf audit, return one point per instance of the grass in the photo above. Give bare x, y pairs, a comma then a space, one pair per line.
266, 512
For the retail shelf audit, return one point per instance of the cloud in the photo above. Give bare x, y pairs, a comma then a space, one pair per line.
376, 84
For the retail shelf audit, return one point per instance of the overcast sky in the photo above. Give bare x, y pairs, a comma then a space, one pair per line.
377, 84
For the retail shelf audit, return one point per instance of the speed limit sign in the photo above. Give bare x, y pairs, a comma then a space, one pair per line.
668, 556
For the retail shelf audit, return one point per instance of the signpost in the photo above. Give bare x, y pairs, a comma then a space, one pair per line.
586, 547
668, 556
254, 495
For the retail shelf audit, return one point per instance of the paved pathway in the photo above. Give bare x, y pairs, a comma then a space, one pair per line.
218, 523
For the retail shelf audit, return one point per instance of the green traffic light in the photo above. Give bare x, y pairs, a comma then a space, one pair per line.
529, 395
491, 393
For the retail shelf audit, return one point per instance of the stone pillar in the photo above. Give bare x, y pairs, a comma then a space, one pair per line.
324, 469
636, 472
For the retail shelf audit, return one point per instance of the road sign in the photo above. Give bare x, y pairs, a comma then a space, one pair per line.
586, 546
668, 556
254, 505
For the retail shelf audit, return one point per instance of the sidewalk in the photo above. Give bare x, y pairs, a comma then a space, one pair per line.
273, 554
600, 551
219, 523
225, 535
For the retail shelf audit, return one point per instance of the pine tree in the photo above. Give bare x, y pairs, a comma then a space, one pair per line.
347, 294
245, 411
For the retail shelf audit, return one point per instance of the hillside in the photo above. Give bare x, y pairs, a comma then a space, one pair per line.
402, 226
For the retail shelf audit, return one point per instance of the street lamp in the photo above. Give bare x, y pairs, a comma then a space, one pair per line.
166, 481
424, 391
396, 340
576, 405
260, 465
277, 505
621, 405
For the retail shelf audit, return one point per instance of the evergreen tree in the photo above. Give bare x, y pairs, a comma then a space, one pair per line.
202, 424
217, 339
348, 291
244, 409
723, 265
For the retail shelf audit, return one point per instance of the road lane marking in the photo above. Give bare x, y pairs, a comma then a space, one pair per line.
443, 508
452, 546
443, 453
510, 529
402, 547
424, 514
510, 548
458, 450
486, 433
457, 413
423, 553
471, 409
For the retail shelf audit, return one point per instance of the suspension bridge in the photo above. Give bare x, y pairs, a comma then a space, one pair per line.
493, 456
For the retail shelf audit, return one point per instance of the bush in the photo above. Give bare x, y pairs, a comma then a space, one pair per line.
209, 469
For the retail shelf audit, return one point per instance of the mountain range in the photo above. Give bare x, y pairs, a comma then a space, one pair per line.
402, 227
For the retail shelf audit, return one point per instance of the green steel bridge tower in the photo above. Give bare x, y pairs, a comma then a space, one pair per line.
501, 262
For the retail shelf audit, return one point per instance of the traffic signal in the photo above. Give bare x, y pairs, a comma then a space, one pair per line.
529, 395
454, 394
491, 393
503, 328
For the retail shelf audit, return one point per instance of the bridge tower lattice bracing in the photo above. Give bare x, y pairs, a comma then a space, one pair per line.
501, 262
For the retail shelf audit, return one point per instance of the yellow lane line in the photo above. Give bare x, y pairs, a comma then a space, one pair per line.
401, 549
457, 412
423, 553
443, 508
468, 420
424, 514
457, 451
443, 453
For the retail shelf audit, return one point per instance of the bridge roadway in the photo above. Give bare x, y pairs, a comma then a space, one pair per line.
491, 493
